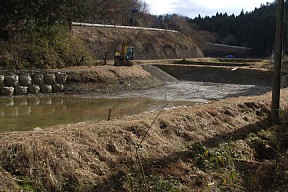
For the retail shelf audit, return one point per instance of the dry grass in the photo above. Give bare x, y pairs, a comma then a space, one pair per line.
81, 157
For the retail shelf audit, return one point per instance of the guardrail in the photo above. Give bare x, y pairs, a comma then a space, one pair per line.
121, 27
229, 46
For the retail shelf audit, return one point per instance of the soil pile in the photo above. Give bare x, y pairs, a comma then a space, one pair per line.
147, 44
159, 74
107, 79
173, 149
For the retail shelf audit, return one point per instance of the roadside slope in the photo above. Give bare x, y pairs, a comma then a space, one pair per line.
147, 44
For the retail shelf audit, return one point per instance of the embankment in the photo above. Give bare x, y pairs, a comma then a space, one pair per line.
77, 80
100, 156
244, 76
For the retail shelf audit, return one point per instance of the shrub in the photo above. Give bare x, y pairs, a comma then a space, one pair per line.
44, 47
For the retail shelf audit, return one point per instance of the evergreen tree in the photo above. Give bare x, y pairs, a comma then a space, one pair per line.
254, 29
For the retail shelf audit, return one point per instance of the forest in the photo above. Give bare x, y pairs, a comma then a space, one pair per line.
255, 29
36, 33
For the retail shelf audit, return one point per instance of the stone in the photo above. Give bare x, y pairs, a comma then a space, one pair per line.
34, 89
61, 78
21, 90
46, 88
50, 79
7, 91
11, 80
57, 88
38, 78
25, 80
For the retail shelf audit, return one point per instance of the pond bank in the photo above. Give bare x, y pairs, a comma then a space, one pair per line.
100, 156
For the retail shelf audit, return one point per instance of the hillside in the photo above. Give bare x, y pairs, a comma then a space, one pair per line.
147, 44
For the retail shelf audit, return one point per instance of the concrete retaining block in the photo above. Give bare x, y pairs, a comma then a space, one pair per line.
7, 91
25, 80
38, 78
11, 80
50, 79
34, 89
61, 78
57, 88
24, 83
21, 90
2, 83
46, 88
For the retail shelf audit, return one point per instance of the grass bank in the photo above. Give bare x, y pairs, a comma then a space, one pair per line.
225, 145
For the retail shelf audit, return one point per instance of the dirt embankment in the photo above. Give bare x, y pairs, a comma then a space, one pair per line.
108, 79
231, 75
147, 44
100, 156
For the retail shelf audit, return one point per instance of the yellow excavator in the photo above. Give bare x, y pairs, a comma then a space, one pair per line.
124, 57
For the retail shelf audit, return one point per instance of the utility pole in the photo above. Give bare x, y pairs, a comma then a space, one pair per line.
276, 84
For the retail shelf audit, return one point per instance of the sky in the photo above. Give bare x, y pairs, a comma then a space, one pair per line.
192, 8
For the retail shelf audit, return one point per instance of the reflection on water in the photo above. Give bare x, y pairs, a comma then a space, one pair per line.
27, 113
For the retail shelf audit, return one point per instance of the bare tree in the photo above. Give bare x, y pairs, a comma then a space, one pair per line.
18, 47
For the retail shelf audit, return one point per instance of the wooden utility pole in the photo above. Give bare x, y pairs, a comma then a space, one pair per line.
276, 86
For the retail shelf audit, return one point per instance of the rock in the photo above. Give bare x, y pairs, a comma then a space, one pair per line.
57, 88
7, 91
11, 80
50, 79
21, 90
46, 88
38, 78
34, 89
61, 78
25, 80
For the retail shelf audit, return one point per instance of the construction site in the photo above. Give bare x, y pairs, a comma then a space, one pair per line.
175, 122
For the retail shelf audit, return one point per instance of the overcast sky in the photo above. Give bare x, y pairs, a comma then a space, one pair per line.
192, 8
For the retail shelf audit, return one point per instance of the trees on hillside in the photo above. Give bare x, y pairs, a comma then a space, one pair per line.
128, 12
15, 15
34, 33
254, 29
183, 25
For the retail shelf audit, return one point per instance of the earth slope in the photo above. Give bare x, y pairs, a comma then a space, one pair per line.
147, 44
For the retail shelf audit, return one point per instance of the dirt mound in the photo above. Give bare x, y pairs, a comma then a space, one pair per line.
107, 79
147, 44
100, 156
159, 74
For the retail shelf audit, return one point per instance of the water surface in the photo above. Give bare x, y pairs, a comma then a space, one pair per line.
19, 114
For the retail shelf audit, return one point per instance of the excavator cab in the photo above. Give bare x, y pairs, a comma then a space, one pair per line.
124, 57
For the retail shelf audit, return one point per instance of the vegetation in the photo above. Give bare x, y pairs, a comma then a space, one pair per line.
255, 29
224, 146
36, 35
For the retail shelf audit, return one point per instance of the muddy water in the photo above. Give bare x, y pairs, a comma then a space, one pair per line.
19, 114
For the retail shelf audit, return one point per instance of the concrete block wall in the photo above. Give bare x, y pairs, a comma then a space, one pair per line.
31, 83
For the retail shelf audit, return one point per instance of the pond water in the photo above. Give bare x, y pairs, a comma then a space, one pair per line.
19, 114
